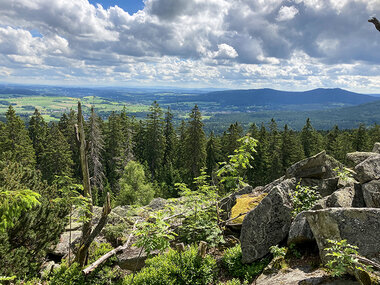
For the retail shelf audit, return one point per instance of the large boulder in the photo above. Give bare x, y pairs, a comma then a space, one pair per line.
369, 169
376, 147
371, 193
228, 202
300, 231
268, 224
354, 158
319, 166
133, 258
359, 226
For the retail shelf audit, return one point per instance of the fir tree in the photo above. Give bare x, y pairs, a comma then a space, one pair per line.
230, 139
154, 139
361, 139
195, 145
38, 131
311, 140
291, 148
213, 155
15, 142
275, 168
56, 158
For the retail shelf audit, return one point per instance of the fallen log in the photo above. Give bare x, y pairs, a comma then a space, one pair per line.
109, 254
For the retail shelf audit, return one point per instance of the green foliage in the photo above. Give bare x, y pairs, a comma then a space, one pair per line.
343, 258
303, 198
232, 172
13, 203
115, 233
231, 261
134, 187
343, 173
234, 281
72, 274
200, 222
176, 268
154, 234
278, 252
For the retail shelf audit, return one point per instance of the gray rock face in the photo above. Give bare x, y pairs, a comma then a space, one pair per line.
300, 231
131, 259
267, 224
318, 166
371, 193
369, 169
376, 147
357, 157
351, 196
359, 226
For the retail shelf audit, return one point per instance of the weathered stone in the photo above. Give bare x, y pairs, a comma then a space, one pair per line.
121, 211
267, 188
228, 202
318, 166
357, 157
157, 204
359, 226
133, 258
376, 147
369, 169
47, 268
346, 182
62, 248
371, 193
305, 275
325, 187
351, 196
267, 224
300, 231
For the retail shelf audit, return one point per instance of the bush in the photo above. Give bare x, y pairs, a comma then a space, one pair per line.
304, 198
231, 261
233, 282
115, 233
72, 275
176, 268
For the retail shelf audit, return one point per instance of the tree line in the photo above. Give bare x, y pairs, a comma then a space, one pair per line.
129, 156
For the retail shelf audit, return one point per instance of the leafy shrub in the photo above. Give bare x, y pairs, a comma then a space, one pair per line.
201, 226
278, 252
114, 233
231, 261
343, 258
72, 275
304, 198
176, 268
234, 281
342, 173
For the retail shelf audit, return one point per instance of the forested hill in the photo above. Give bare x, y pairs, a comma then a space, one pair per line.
276, 97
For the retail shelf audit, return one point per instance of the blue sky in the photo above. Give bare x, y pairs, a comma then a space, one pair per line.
131, 6
282, 44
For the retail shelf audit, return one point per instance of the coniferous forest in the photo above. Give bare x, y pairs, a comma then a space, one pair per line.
127, 163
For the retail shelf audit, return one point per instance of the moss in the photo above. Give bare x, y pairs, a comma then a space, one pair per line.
244, 204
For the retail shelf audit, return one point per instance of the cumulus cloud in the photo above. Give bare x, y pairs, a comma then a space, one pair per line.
286, 13
183, 41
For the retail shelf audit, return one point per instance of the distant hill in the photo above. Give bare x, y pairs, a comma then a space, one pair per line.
275, 97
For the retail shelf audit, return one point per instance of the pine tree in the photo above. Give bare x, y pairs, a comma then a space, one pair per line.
15, 142
56, 158
154, 139
38, 131
195, 145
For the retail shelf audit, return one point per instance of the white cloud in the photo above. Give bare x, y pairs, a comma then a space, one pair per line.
221, 42
286, 13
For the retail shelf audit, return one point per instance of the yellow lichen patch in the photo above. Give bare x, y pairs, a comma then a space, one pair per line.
245, 203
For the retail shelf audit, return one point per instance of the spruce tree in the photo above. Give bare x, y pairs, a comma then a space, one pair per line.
361, 139
312, 141
291, 148
230, 138
56, 158
15, 142
154, 139
195, 145
38, 131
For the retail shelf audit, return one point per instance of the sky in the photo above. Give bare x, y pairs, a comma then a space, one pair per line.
282, 44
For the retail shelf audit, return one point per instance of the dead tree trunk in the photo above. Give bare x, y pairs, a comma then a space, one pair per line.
88, 235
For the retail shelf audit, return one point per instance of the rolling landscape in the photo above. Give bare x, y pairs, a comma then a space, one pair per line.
325, 107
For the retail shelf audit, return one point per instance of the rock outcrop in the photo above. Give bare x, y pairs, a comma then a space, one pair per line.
268, 223
359, 226
369, 169
371, 193
300, 231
